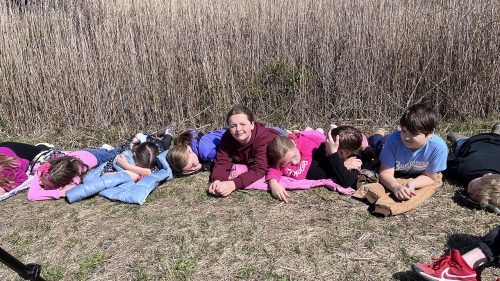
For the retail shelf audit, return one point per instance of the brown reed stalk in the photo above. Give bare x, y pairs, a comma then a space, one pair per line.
141, 64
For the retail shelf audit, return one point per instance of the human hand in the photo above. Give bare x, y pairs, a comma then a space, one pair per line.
62, 193
331, 145
353, 163
403, 192
64, 190
121, 160
411, 186
278, 191
212, 188
135, 177
225, 188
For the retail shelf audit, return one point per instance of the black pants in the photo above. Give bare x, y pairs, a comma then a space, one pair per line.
24, 150
490, 245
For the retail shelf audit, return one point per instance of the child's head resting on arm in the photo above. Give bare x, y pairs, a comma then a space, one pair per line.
283, 151
350, 140
59, 172
181, 158
418, 123
485, 190
145, 154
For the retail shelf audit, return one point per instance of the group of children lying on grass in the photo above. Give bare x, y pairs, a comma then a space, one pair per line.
395, 172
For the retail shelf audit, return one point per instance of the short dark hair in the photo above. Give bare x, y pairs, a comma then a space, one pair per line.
145, 154
350, 138
419, 118
240, 109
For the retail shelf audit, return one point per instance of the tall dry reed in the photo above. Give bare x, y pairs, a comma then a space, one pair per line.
141, 64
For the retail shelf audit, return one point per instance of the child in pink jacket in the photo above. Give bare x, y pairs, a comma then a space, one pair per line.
59, 174
291, 156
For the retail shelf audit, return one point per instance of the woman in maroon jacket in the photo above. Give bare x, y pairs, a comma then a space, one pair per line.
245, 142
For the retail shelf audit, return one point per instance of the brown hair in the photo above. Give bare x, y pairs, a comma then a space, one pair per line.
7, 162
278, 147
489, 191
63, 169
350, 138
145, 154
240, 109
419, 118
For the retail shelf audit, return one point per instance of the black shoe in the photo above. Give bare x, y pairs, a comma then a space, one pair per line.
496, 128
454, 137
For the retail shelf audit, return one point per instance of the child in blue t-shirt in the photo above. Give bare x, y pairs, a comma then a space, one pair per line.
414, 153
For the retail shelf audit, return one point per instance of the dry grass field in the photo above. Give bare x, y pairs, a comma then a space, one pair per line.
125, 63
80, 73
181, 233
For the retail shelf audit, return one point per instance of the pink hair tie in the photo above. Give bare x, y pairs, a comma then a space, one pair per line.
44, 168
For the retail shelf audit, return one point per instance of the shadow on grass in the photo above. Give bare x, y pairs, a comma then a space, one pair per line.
462, 242
406, 276
461, 197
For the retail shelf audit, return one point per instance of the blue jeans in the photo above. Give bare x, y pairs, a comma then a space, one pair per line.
281, 131
457, 145
102, 154
377, 142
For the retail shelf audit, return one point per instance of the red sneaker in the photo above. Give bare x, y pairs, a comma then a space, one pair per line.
447, 268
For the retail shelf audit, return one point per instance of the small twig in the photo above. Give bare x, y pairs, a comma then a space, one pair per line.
287, 268
362, 259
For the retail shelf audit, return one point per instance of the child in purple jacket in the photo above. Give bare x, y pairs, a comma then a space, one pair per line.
192, 149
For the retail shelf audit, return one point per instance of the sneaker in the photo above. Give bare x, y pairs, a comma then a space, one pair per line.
107, 147
320, 130
447, 268
169, 130
45, 144
380, 131
496, 128
332, 126
454, 137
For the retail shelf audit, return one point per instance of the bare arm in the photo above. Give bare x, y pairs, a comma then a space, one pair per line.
425, 179
122, 161
402, 192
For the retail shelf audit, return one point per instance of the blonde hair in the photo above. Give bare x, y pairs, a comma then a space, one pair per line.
178, 156
278, 147
489, 191
7, 162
